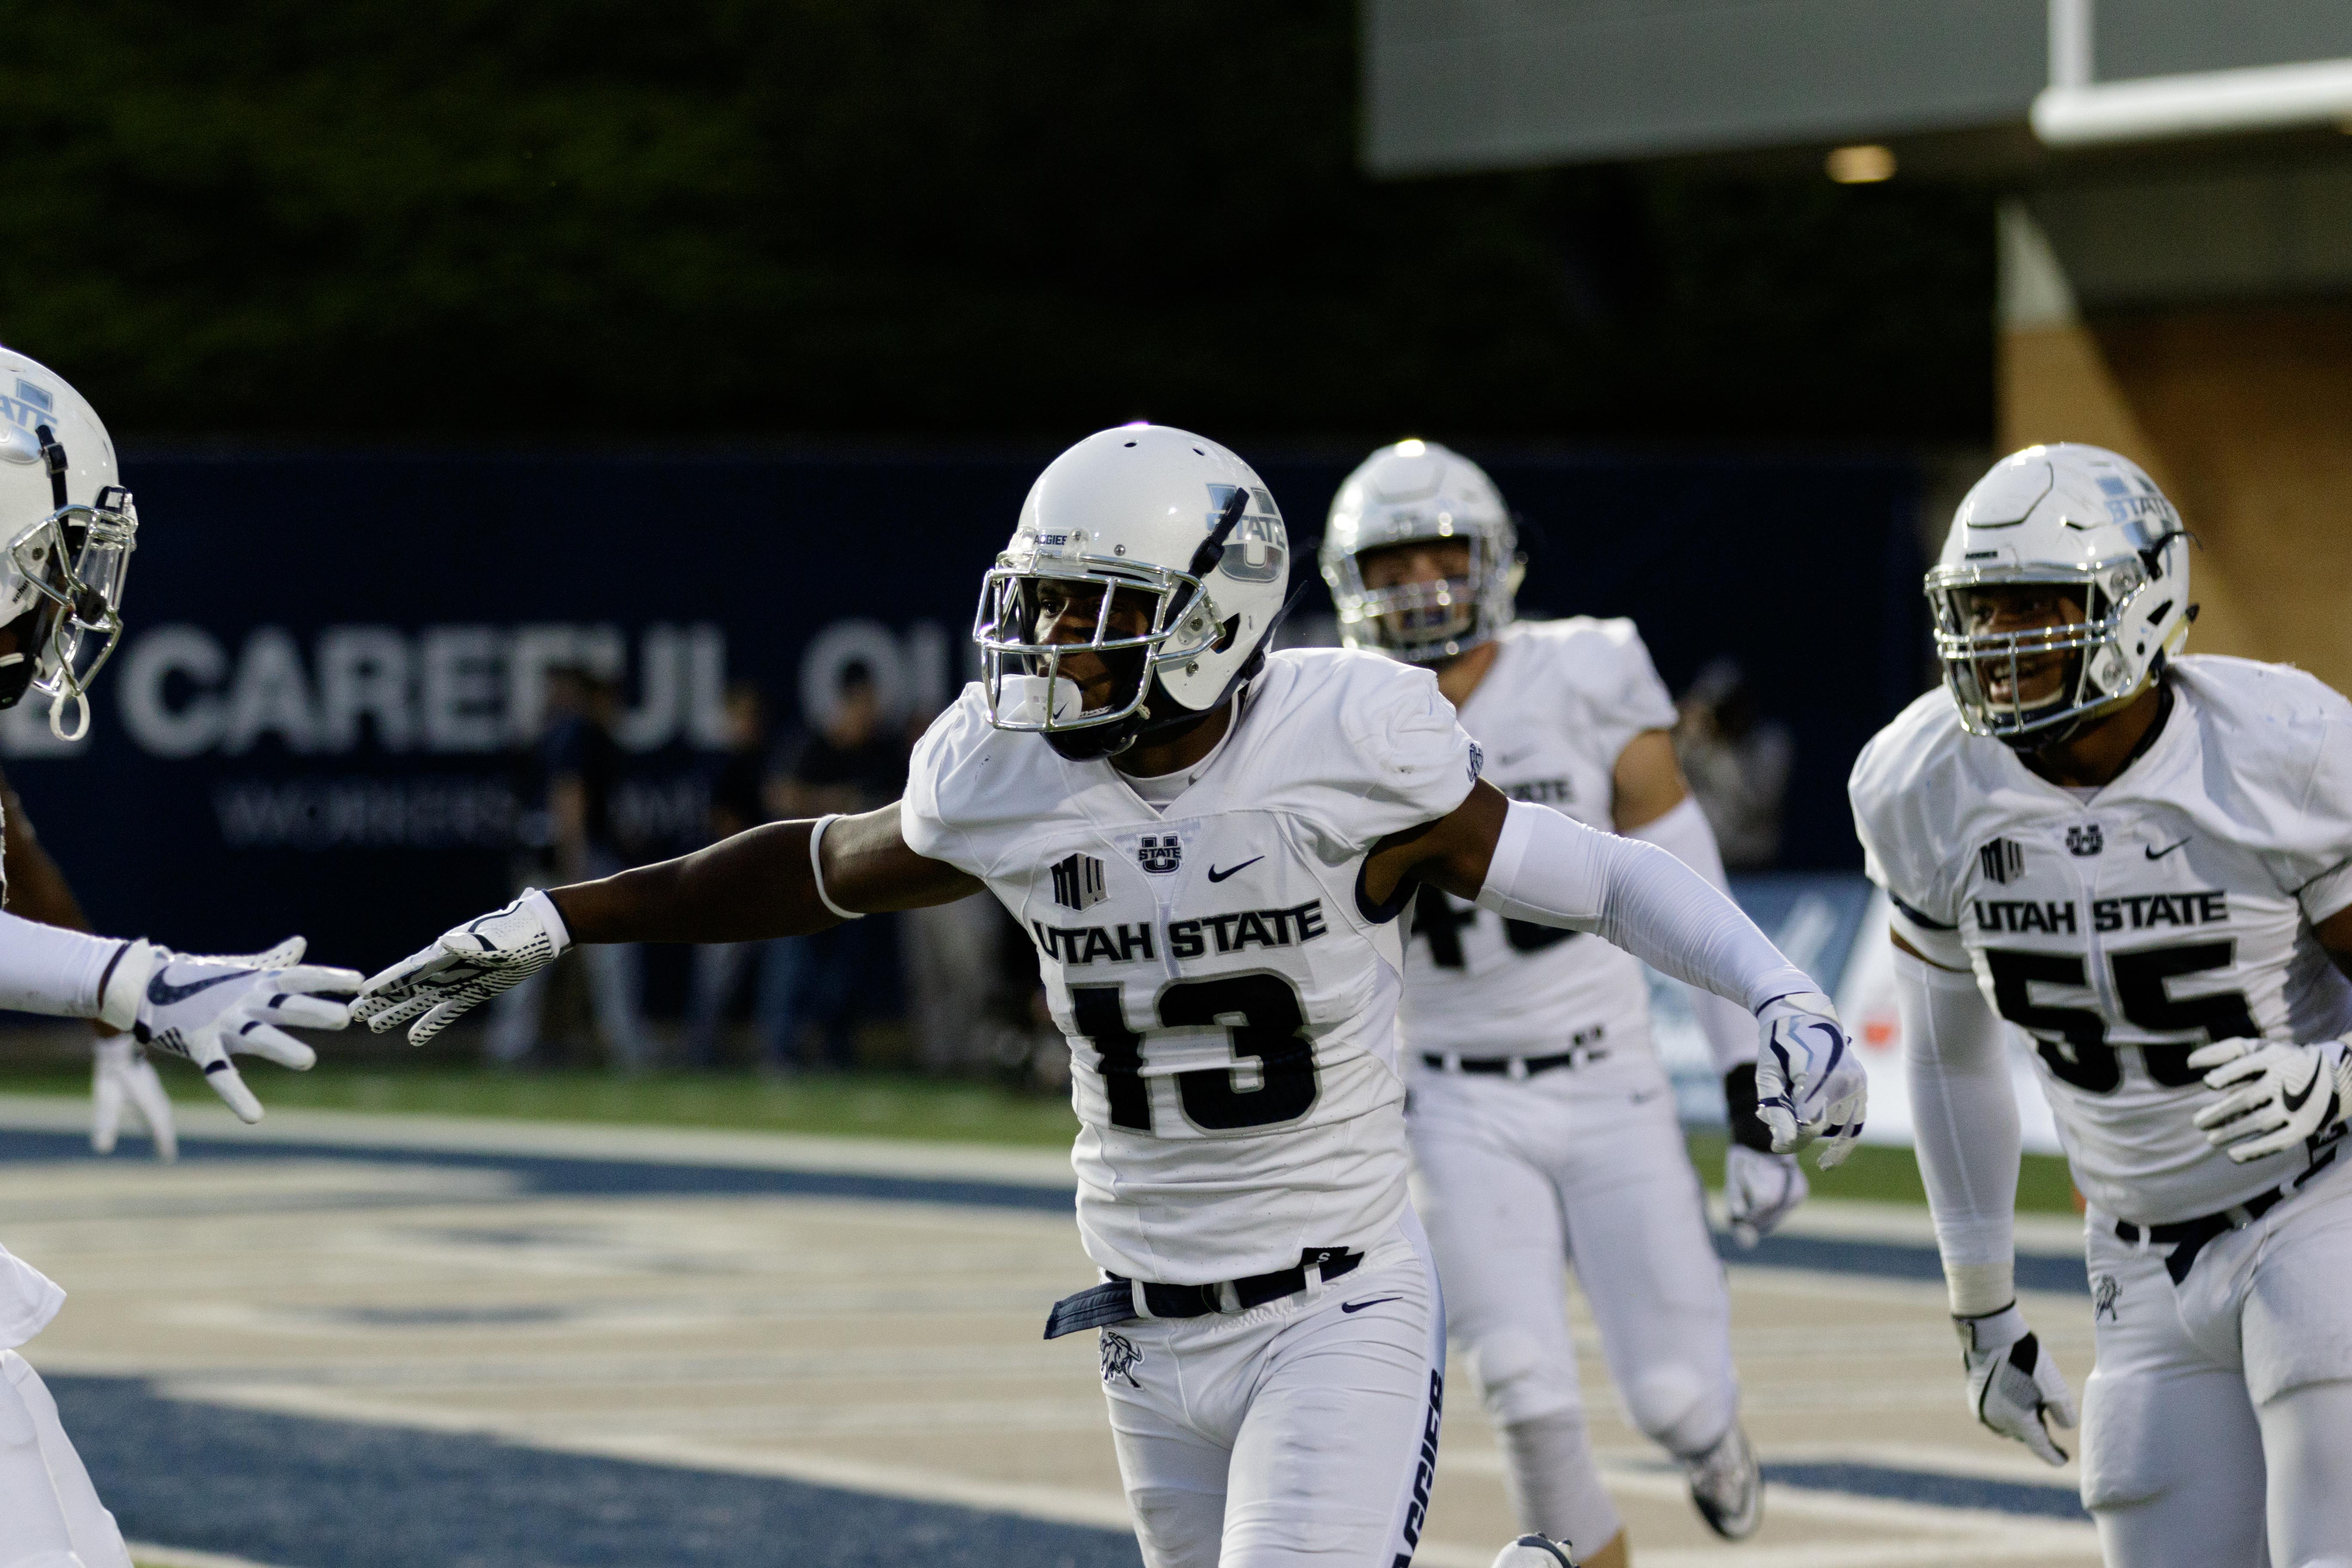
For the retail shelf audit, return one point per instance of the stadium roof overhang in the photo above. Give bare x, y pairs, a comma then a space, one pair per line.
1974, 87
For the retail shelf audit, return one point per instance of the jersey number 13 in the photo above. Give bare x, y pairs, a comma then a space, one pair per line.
1262, 1017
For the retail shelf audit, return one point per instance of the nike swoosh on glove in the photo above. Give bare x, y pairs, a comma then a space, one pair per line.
1759, 1190
2013, 1387
122, 1077
206, 1009
2279, 1094
468, 965
1810, 1082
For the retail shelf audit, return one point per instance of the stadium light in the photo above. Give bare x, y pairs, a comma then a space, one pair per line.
1863, 165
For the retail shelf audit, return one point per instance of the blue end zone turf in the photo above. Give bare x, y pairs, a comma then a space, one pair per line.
305, 1493
1940, 1489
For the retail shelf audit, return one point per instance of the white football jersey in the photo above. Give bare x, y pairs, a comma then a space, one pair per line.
1230, 1001
1558, 704
2172, 907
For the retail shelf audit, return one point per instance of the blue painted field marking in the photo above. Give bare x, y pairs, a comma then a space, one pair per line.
1895, 1260
311, 1493
1938, 1489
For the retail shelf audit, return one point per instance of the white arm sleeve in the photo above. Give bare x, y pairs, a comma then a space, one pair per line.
1555, 871
1683, 833
47, 969
1964, 1119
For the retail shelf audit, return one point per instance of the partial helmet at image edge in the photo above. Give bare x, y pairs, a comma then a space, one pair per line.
68, 527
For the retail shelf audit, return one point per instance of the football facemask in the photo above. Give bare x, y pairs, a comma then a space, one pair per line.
2037, 683
1138, 619
77, 559
1419, 621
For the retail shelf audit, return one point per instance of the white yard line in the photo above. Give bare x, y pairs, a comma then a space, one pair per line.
150, 1555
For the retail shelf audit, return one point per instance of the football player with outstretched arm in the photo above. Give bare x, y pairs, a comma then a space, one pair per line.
1544, 1131
1209, 844
67, 530
2144, 862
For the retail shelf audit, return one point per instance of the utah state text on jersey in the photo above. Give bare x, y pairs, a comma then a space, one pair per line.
1229, 932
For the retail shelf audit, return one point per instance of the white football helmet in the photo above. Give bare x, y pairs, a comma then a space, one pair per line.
69, 528
1413, 490
1147, 509
2091, 523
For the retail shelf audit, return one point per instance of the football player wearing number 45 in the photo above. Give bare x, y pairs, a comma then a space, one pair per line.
1209, 844
1544, 1131
2144, 862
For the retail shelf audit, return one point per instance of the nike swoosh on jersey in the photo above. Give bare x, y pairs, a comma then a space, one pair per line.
1360, 1306
1217, 876
2153, 853
164, 995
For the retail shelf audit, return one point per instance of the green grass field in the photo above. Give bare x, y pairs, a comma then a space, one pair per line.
865, 1105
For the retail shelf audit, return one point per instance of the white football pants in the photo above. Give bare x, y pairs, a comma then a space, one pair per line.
1585, 1166
1301, 1434
49, 1514
2218, 1420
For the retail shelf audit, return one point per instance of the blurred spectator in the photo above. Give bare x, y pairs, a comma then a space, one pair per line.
580, 762
737, 802
951, 958
849, 763
1738, 763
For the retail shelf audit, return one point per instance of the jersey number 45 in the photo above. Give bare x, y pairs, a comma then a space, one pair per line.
1260, 1014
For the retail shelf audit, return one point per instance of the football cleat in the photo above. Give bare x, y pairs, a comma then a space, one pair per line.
1535, 1552
1728, 1485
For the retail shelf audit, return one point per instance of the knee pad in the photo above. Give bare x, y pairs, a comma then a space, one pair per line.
1680, 1410
2127, 1456
1520, 1377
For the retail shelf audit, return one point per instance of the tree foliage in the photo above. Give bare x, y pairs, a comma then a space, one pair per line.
456, 218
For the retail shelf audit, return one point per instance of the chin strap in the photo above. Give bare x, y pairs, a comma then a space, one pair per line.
53, 455
1241, 677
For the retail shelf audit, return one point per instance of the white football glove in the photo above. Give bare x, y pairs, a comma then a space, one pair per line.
207, 1008
2012, 1385
1810, 1082
1759, 1190
120, 1076
469, 964
2281, 1094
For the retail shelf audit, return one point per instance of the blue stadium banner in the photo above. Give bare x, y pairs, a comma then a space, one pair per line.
319, 718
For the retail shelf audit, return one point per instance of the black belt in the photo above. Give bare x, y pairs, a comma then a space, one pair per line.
1513, 1066
2187, 1237
1114, 1300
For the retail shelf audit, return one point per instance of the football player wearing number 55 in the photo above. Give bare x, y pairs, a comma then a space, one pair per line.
2144, 862
1209, 844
